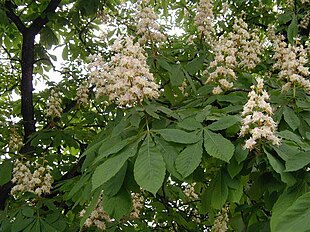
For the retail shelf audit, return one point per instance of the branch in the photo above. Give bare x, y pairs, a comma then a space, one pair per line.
42, 20
11, 15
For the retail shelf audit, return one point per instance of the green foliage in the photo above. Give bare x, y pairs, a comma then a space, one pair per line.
182, 153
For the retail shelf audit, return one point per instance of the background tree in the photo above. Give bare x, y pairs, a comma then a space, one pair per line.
169, 116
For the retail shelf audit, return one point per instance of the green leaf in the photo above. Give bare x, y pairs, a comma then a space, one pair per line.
218, 146
289, 135
234, 167
292, 30
107, 148
150, 110
189, 124
240, 153
149, 169
178, 136
6, 171
286, 199
176, 76
21, 223
91, 207
112, 186
279, 168
170, 153
296, 217
224, 123
118, 205
195, 65
291, 118
47, 227
219, 191
297, 161
111, 166
189, 159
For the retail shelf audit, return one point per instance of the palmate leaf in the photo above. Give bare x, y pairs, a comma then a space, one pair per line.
189, 159
178, 136
224, 123
296, 217
291, 118
297, 161
118, 205
112, 165
149, 168
218, 146
219, 191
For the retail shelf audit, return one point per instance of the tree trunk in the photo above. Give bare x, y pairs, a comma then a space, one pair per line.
27, 107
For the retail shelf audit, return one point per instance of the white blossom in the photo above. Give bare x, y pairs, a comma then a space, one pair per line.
147, 27
239, 49
16, 141
97, 218
82, 94
189, 191
54, 105
38, 182
221, 221
204, 19
257, 122
126, 78
137, 205
291, 61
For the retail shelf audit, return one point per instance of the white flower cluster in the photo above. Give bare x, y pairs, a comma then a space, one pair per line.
126, 79
54, 105
239, 49
305, 22
221, 220
147, 27
257, 121
204, 19
16, 141
82, 94
137, 204
189, 191
291, 61
97, 218
38, 182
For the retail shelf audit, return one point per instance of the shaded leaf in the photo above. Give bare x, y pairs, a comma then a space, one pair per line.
179, 136
118, 205
224, 123
218, 146
291, 118
296, 217
149, 169
189, 159
297, 161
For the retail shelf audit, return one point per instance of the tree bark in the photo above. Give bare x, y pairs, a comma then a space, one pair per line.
27, 108
27, 64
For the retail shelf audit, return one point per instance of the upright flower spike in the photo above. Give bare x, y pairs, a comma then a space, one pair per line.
257, 122
291, 61
126, 78
82, 94
204, 20
38, 182
97, 218
239, 49
147, 27
137, 205
54, 105
221, 221
16, 141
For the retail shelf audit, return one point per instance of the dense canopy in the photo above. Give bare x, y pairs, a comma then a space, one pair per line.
154, 115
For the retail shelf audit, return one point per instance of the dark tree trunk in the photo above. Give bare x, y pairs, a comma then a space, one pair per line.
27, 108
